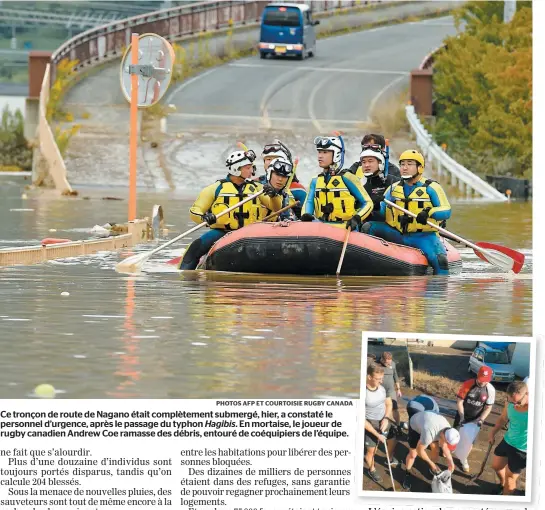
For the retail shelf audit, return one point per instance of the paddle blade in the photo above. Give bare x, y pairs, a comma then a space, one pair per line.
176, 260
132, 264
507, 258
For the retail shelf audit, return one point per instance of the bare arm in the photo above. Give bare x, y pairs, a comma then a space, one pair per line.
502, 420
421, 451
486, 412
460, 407
448, 455
369, 428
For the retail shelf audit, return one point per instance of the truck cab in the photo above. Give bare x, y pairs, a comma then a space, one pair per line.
287, 30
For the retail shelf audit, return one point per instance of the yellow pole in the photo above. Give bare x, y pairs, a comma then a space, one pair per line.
133, 136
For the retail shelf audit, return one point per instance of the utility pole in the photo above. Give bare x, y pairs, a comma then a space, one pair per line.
509, 9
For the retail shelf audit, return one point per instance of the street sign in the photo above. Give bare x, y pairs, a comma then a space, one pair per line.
154, 69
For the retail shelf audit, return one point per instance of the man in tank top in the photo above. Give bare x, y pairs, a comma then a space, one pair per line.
510, 455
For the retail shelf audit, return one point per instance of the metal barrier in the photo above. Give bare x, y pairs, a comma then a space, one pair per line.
439, 159
48, 145
109, 41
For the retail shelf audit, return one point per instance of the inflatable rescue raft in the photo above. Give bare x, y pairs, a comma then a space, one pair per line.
314, 248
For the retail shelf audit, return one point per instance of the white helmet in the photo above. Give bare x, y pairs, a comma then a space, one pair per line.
369, 153
238, 159
334, 144
281, 166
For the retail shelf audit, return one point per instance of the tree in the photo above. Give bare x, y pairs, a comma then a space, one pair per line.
483, 90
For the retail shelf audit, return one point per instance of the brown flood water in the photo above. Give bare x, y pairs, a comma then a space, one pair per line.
168, 335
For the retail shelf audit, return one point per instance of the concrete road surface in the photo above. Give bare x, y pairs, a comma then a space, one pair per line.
337, 89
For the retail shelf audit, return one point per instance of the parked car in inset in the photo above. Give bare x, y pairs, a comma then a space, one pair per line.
496, 359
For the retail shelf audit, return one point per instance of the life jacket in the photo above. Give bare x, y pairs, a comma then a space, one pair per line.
228, 195
376, 186
417, 200
333, 201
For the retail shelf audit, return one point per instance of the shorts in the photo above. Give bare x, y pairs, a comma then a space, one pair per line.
516, 459
414, 437
371, 441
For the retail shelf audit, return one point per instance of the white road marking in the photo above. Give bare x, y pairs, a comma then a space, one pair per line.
379, 94
322, 69
257, 118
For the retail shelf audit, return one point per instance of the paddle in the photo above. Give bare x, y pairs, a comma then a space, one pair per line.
280, 211
505, 258
134, 263
343, 251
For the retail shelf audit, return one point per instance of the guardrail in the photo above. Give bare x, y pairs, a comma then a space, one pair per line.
48, 146
442, 162
109, 41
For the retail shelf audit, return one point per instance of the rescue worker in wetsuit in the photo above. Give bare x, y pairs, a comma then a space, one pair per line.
375, 143
373, 178
474, 402
278, 175
223, 194
335, 196
423, 197
277, 150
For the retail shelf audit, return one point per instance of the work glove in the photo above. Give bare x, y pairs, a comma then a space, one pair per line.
354, 222
209, 218
423, 216
307, 217
404, 220
327, 209
269, 190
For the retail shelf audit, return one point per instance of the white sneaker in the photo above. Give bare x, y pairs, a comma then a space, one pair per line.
465, 466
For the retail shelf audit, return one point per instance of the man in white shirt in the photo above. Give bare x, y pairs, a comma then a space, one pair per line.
429, 429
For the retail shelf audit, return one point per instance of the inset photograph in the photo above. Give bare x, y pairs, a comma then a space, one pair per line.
444, 414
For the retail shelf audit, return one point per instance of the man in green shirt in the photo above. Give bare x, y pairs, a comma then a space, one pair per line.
510, 455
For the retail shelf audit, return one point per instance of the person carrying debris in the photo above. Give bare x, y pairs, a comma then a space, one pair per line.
378, 410
510, 455
427, 428
392, 386
474, 403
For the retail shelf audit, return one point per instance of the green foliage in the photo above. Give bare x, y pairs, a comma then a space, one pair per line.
483, 90
14, 149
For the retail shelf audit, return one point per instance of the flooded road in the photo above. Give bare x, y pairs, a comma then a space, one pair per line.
164, 334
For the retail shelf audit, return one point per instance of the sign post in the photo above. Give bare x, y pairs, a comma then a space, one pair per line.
145, 74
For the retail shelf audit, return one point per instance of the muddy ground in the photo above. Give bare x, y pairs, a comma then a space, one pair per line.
451, 363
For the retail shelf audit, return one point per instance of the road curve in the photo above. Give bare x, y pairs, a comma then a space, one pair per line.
337, 89
255, 100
